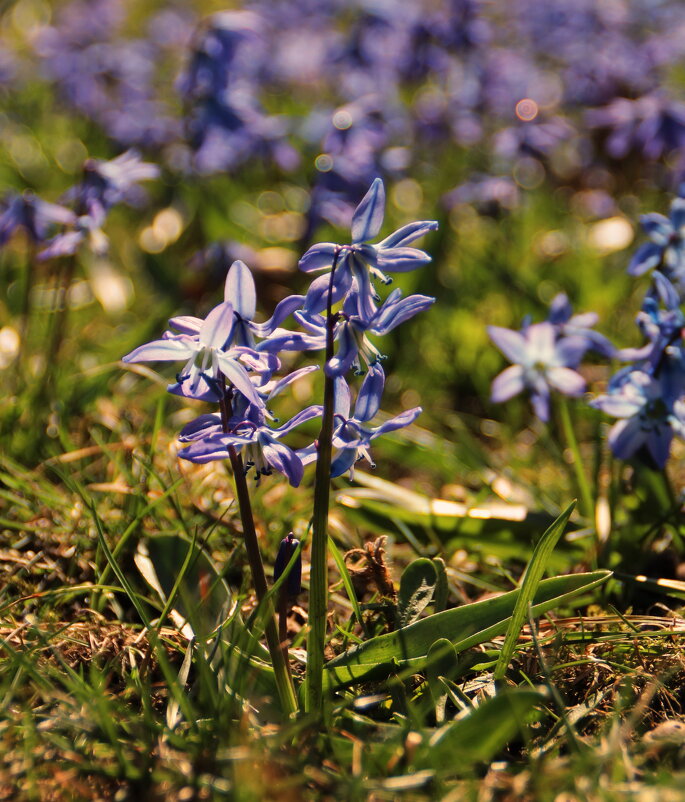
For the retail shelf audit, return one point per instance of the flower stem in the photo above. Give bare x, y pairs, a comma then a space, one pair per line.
588, 505
284, 682
318, 581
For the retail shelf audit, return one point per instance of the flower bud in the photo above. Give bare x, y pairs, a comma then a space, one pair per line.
293, 583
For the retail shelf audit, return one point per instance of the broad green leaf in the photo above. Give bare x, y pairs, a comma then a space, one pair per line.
531, 579
463, 626
417, 587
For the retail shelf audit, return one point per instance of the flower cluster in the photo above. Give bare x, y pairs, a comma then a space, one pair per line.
648, 395
84, 208
533, 84
232, 360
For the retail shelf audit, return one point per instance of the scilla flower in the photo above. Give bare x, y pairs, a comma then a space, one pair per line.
541, 363
360, 261
647, 416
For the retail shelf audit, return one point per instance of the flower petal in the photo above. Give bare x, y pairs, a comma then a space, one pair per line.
166, 350
368, 216
343, 398
401, 260
347, 351
511, 343
239, 290
236, 374
186, 324
398, 422
626, 437
282, 458
369, 398
566, 381
318, 257
283, 310
304, 415
202, 427
645, 258
217, 326
396, 311
509, 383
410, 232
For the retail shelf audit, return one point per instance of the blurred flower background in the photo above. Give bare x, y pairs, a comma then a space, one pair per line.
147, 145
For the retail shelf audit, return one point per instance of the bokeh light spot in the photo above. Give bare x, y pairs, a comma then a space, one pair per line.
526, 109
323, 163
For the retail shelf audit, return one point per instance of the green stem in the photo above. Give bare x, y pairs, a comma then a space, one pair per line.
284, 682
318, 580
587, 501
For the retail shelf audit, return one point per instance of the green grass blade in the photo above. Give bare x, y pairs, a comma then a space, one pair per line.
529, 584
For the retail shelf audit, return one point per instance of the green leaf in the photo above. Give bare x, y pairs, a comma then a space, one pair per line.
463, 626
441, 662
417, 587
441, 587
531, 579
483, 733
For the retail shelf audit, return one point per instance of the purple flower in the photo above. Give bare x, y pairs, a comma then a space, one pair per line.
241, 293
667, 243
350, 330
541, 362
208, 358
259, 442
360, 261
35, 216
646, 415
352, 436
569, 325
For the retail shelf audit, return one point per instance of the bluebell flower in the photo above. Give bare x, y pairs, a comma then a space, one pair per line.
360, 261
34, 216
241, 293
646, 412
353, 436
542, 362
351, 331
581, 325
208, 356
667, 243
259, 443
105, 183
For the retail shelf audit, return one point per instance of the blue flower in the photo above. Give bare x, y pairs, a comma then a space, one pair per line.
541, 362
569, 325
240, 292
208, 358
259, 442
360, 261
646, 413
33, 215
352, 436
667, 245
